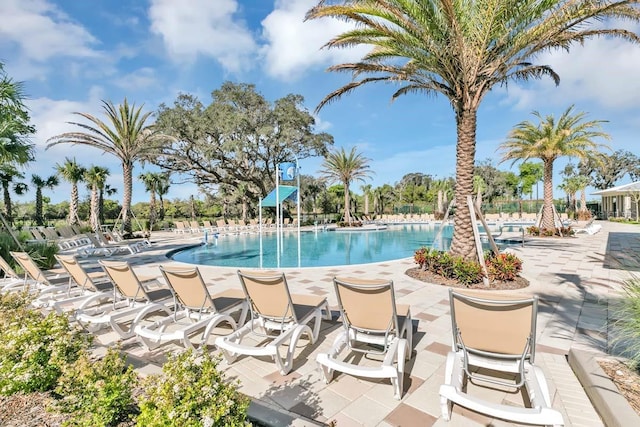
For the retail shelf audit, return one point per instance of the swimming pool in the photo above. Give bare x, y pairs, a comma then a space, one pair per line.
318, 249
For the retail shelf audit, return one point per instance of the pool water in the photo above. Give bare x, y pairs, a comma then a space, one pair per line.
318, 249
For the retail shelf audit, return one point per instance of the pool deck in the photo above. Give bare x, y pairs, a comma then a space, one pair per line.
574, 278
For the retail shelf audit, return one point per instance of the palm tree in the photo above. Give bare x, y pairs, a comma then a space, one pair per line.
549, 140
96, 177
41, 183
125, 134
14, 122
366, 192
151, 182
72, 172
9, 173
340, 166
462, 50
162, 188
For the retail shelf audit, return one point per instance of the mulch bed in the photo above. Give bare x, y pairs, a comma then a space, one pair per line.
436, 279
626, 379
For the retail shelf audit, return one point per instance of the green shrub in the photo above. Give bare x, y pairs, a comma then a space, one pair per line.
34, 348
189, 394
467, 272
533, 230
420, 256
96, 393
443, 264
504, 266
43, 254
627, 326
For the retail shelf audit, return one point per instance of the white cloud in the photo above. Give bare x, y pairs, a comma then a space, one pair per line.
42, 31
203, 27
293, 45
50, 118
603, 71
142, 78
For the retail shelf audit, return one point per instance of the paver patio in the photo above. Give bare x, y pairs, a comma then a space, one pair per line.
574, 278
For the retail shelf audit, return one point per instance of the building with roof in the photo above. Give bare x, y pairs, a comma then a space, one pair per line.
621, 201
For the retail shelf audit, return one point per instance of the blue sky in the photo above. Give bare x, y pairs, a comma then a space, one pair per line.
72, 54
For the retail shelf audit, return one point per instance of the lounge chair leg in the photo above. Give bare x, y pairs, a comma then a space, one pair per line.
446, 406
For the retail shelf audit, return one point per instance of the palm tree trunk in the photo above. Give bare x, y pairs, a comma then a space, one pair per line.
152, 210
366, 203
127, 173
8, 209
161, 214
463, 243
39, 219
73, 206
347, 207
583, 200
95, 209
548, 221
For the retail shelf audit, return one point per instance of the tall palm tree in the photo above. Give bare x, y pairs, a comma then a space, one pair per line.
72, 172
8, 174
96, 177
548, 140
162, 188
340, 166
125, 134
151, 182
366, 192
41, 183
14, 122
462, 49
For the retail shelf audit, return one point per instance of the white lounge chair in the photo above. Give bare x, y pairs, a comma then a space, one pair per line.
132, 299
496, 332
197, 311
11, 281
374, 325
277, 318
52, 287
93, 285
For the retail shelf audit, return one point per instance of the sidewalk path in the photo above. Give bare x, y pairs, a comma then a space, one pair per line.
575, 279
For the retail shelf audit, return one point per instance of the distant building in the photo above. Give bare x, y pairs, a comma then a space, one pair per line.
620, 202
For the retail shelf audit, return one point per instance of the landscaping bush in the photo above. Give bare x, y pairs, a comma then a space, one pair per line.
444, 264
627, 326
34, 348
504, 266
96, 393
189, 394
43, 254
467, 272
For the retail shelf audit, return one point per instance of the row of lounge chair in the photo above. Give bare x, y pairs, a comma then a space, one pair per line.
493, 335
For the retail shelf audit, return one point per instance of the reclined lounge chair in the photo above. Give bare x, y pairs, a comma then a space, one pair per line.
498, 333
129, 303
374, 325
197, 310
93, 285
11, 281
277, 318
54, 287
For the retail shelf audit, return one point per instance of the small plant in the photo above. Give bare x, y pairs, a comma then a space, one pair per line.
503, 267
467, 272
533, 230
43, 254
420, 256
96, 393
191, 393
34, 348
627, 327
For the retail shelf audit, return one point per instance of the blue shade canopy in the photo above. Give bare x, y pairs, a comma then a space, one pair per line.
286, 192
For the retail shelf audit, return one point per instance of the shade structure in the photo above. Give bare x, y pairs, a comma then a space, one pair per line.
285, 192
